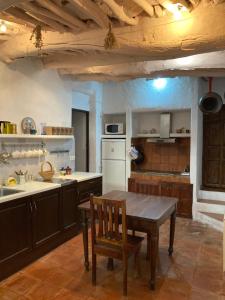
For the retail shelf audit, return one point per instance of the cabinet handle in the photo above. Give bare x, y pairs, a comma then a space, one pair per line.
35, 205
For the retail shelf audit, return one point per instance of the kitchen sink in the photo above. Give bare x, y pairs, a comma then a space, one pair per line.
7, 192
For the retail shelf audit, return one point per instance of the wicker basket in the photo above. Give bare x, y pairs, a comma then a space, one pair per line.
46, 175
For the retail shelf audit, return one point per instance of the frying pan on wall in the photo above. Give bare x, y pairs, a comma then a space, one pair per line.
211, 102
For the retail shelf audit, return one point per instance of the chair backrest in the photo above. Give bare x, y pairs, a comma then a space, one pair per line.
109, 214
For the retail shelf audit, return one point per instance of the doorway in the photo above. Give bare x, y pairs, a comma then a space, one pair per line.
80, 123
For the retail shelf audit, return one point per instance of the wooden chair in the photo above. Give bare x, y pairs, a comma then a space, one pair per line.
109, 241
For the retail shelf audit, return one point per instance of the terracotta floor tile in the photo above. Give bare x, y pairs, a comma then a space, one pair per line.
22, 283
194, 272
7, 294
65, 294
43, 291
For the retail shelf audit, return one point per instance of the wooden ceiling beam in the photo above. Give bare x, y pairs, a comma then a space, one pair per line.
119, 12
147, 7
13, 19
53, 24
33, 8
5, 4
63, 60
162, 38
92, 11
20, 14
209, 64
165, 73
112, 73
62, 13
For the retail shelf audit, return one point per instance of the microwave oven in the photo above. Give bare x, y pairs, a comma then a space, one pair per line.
114, 128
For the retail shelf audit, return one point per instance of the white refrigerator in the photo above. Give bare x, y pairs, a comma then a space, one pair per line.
114, 164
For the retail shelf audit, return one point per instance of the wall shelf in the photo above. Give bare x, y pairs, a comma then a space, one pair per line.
156, 135
180, 135
36, 137
147, 135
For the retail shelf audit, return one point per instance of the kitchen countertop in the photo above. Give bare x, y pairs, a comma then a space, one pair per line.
35, 187
79, 176
160, 173
29, 188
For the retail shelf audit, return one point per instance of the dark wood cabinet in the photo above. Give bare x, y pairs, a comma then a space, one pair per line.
213, 166
87, 187
32, 226
70, 214
15, 229
46, 216
182, 191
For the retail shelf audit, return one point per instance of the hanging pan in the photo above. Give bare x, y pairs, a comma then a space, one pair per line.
211, 102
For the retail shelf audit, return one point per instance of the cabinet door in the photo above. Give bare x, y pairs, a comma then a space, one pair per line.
15, 229
184, 207
47, 220
69, 206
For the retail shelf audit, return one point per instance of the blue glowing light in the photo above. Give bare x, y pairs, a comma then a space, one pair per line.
159, 83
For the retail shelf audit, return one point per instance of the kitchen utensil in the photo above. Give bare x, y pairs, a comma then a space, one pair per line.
4, 127
21, 179
46, 175
27, 125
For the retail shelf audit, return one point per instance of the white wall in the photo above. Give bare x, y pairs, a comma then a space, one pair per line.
88, 96
26, 89
80, 101
140, 94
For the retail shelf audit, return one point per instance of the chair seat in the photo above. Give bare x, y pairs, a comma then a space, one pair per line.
104, 247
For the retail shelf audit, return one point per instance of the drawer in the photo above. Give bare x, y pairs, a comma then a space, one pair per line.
89, 185
84, 196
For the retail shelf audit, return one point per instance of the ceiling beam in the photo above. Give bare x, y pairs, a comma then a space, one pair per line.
59, 61
147, 7
120, 13
162, 38
5, 4
209, 64
62, 13
20, 14
92, 11
87, 74
33, 8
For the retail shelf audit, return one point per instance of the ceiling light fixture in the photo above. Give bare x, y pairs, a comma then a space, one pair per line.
3, 27
176, 7
159, 83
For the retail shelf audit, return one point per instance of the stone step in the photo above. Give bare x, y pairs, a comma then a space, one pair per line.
217, 217
214, 202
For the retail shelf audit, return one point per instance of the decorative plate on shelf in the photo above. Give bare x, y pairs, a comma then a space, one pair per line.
27, 124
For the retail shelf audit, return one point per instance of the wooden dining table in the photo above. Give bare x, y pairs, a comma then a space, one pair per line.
145, 213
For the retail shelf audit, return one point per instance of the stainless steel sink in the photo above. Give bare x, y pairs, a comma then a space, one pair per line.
7, 192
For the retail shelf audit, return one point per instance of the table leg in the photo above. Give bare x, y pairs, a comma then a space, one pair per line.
148, 246
85, 239
154, 248
172, 231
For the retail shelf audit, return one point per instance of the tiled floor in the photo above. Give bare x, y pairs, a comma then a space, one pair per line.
194, 271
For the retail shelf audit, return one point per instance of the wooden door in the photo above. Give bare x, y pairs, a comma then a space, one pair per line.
15, 230
47, 216
213, 171
69, 206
